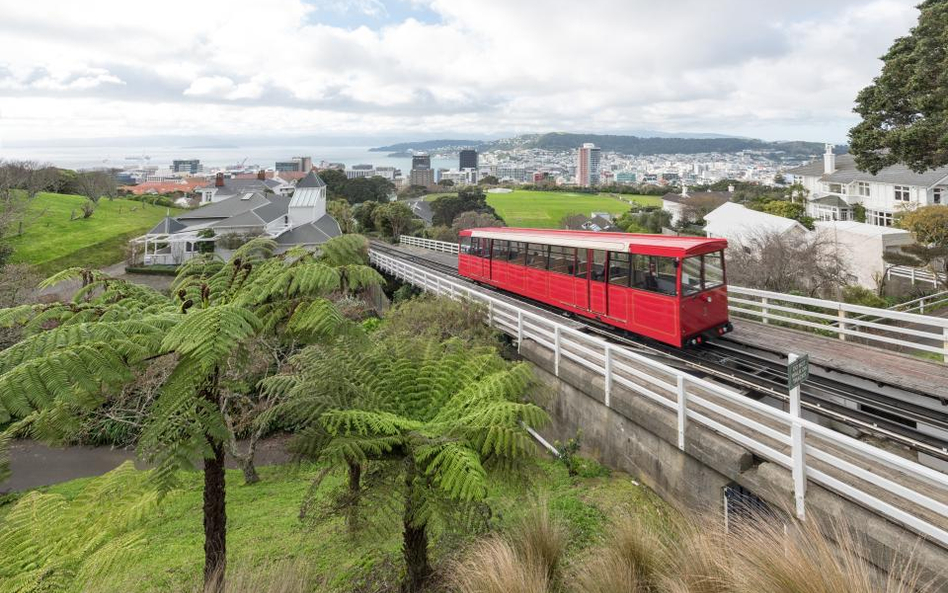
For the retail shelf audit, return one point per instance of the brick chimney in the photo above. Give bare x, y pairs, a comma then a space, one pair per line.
829, 160
219, 180
261, 175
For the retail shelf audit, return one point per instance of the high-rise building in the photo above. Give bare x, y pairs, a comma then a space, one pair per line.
468, 159
420, 161
190, 166
302, 164
423, 177
587, 165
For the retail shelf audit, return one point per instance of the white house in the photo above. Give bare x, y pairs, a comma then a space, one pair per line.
835, 185
739, 225
676, 204
291, 221
863, 245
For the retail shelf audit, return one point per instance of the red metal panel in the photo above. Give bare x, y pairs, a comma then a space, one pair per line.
597, 297
655, 315
561, 288
704, 310
618, 302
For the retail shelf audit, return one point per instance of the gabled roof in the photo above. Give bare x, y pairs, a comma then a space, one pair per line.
166, 226
830, 200
311, 180
732, 220
846, 172
318, 231
228, 207
677, 198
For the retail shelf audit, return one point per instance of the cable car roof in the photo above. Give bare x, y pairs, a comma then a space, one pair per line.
636, 243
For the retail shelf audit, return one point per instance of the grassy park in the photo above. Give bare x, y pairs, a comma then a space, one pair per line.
55, 236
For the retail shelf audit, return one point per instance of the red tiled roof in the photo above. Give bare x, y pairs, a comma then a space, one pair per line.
165, 187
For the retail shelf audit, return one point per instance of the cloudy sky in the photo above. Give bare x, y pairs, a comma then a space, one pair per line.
421, 68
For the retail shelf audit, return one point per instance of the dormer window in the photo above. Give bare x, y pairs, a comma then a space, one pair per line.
862, 188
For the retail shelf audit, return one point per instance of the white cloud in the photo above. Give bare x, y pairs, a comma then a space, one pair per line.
737, 66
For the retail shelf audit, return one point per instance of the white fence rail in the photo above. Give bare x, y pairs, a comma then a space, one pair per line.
930, 302
872, 326
915, 275
431, 244
902, 490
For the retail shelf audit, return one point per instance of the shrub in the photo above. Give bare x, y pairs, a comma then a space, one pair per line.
493, 566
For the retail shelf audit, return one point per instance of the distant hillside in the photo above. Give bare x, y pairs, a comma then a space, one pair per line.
431, 145
632, 145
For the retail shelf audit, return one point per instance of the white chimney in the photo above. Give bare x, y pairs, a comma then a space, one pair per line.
684, 190
829, 160
730, 189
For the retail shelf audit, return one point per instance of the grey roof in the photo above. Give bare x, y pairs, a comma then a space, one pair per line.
846, 172
244, 219
228, 207
421, 209
316, 232
167, 225
677, 198
275, 208
830, 200
311, 180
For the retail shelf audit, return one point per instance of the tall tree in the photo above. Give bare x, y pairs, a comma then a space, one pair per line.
433, 419
929, 226
393, 218
75, 354
905, 109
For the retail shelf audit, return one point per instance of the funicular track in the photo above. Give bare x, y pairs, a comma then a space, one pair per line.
759, 376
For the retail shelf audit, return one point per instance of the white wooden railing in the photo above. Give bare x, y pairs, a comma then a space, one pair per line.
929, 302
431, 244
914, 275
871, 325
904, 491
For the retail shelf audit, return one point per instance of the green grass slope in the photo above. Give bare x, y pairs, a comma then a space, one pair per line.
162, 546
545, 209
52, 241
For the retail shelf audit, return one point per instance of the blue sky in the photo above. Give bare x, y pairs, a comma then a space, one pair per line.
424, 68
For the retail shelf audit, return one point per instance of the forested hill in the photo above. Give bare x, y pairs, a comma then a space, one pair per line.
633, 145
433, 145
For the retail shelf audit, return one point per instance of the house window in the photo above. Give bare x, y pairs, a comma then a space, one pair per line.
835, 188
879, 218
188, 247
902, 193
862, 188
938, 195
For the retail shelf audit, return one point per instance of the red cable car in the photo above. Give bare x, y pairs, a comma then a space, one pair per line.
671, 289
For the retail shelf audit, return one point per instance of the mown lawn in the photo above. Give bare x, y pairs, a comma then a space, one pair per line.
265, 532
543, 209
53, 242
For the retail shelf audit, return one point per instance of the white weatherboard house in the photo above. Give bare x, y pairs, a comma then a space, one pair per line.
863, 245
225, 187
291, 221
740, 225
836, 185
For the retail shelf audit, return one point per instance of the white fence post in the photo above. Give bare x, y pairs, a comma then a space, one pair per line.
842, 324
682, 411
519, 329
945, 345
490, 314
556, 350
764, 311
797, 450
607, 377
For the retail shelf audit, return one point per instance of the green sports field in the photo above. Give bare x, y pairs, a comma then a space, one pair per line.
545, 209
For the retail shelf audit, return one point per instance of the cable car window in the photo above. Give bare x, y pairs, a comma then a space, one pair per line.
582, 262
561, 259
515, 253
655, 274
476, 249
620, 270
499, 250
536, 256
691, 275
599, 265
465, 245
713, 269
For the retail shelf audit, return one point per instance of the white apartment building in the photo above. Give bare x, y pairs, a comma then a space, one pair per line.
836, 185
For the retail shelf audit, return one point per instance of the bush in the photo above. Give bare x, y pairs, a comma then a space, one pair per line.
858, 295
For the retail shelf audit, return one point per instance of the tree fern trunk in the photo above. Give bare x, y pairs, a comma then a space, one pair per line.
250, 471
414, 539
215, 521
355, 493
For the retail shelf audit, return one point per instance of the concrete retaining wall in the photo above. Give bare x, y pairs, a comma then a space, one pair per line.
638, 436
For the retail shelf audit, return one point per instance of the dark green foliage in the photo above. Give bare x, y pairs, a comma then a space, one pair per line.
358, 190
206, 246
568, 452
468, 199
440, 319
905, 109
645, 219
364, 214
859, 295
75, 354
430, 419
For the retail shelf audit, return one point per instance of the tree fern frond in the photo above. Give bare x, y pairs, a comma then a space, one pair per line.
211, 335
456, 469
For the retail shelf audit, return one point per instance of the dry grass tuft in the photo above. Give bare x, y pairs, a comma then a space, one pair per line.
494, 566
540, 540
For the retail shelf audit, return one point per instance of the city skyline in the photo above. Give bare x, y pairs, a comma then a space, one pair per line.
369, 69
